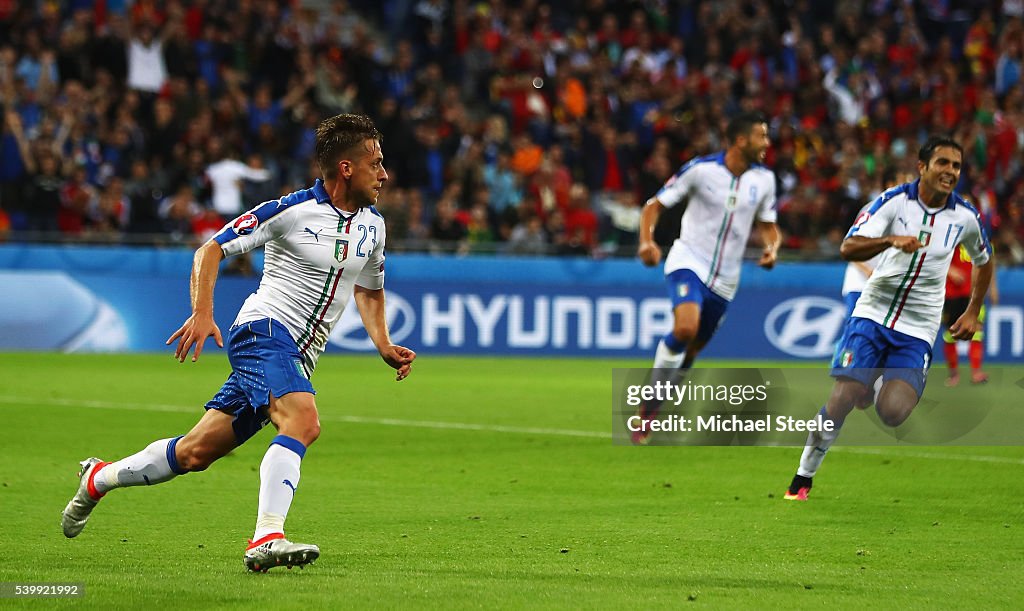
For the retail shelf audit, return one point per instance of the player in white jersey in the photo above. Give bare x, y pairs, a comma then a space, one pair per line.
915, 227
725, 195
324, 245
858, 272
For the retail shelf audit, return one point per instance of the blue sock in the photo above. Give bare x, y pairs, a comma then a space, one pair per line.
674, 344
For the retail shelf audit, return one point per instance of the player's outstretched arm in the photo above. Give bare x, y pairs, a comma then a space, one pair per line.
860, 248
648, 250
967, 325
200, 325
371, 309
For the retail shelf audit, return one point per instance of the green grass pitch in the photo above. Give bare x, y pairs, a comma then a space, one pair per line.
487, 482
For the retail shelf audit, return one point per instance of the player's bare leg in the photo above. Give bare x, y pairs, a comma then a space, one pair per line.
161, 461
210, 439
846, 394
895, 402
673, 357
298, 426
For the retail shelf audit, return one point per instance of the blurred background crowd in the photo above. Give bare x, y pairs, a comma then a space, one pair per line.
518, 127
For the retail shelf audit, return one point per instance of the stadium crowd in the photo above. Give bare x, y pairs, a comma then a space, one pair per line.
527, 126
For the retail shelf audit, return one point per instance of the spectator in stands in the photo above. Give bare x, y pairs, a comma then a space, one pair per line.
581, 223
502, 184
417, 232
478, 225
447, 234
528, 236
43, 191
335, 93
262, 109
177, 212
207, 223
37, 66
77, 197
147, 71
225, 176
109, 218
144, 195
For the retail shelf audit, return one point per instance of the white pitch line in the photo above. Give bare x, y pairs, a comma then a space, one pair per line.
466, 426
425, 424
146, 407
492, 428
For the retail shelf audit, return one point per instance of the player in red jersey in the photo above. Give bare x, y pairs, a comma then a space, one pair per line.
958, 294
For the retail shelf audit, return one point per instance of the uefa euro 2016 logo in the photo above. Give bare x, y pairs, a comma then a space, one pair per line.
245, 224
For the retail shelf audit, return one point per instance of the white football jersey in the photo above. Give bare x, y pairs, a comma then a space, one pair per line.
315, 255
720, 211
906, 291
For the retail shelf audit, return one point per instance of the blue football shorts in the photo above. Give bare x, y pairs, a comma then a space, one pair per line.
868, 350
685, 287
264, 360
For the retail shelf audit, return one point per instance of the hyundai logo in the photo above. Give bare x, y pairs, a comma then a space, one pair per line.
805, 327
350, 334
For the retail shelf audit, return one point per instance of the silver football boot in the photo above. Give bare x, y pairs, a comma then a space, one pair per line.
76, 514
280, 552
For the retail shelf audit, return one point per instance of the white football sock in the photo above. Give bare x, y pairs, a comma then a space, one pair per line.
279, 479
818, 443
153, 465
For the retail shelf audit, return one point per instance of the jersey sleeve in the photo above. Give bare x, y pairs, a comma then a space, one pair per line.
677, 188
372, 275
875, 221
767, 212
255, 228
976, 241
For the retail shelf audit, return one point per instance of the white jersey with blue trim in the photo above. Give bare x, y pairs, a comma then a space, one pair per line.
720, 210
315, 256
906, 291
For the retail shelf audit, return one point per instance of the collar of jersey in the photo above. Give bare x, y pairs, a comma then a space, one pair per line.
320, 193
719, 158
322, 197
913, 191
